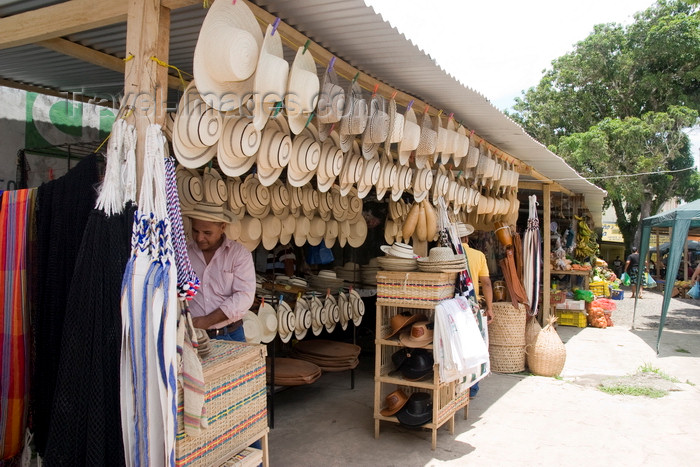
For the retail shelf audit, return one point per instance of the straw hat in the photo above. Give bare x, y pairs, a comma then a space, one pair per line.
288, 225
256, 197
420, 335
343, 232
238, 145
387, 178
286, 321
317, 230
196, 129
215, 190
252, 328
189, 186
316, 308
330, 313
358, 307
402, 320
226, 55
352, 171
370, 176
396, 125
251, 232
302, 316
208, 212
271, 75
301, 230
442, 259
422, 181
354, 120
399, 250
464, 230
441, 184
331, 233
275, 150
411, 136
330, 164
461, 146
377, 128
311, 199
345, 310
306, 155
268, 320
302, 90
271, 229
358, 233
404, 180
325, 205
354, 206
331, 103
341, 204
428, 140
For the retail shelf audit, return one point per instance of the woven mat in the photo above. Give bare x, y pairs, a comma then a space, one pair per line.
326, 348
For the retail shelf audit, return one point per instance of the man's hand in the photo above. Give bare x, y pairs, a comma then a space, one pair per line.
489, 316
200, 322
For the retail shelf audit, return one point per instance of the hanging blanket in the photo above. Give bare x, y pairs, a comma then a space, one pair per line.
15, 218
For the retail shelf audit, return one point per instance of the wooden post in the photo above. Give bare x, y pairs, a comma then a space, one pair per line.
146, 82
546, 251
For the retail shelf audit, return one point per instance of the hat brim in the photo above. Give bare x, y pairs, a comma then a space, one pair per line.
406, 339
194, 214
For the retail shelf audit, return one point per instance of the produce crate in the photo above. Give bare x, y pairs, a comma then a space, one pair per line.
557, 296
414, 288
235, 404
617, 294
571, 318
599, 289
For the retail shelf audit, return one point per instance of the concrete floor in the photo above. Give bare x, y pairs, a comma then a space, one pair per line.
516, 419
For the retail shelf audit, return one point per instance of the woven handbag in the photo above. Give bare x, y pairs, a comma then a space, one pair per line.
547, 355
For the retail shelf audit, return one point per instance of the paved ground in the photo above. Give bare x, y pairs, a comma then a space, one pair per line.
520, 419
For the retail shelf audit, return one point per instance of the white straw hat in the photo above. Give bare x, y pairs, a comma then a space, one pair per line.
302, 90
370, 176
196, 130
252, 328
341, 204
411, 136
316, 307
343, 232
306, 155
271, 230
286, 321
270, 82
226, 55
251, 232
428, 139
330, 164
358, 233
288, 225
331, 103
353, 169
396, 124
325, 205
301, 230
215, 190
238, 145
302, 316
345, 311
279, 199
331, 233
377, 127
404, 180
422, 182
268, 321
317, 230
275, 150
354, 120
311, 200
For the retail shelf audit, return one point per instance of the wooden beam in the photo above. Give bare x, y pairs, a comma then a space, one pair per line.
145, 82
59, 20
546, 252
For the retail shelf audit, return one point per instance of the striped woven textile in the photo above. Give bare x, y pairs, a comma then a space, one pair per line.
15, 218
187, 280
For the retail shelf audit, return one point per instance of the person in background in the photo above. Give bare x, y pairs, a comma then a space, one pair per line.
281, 260
617, 266
226, 271
632, 268
479, 272
696, 274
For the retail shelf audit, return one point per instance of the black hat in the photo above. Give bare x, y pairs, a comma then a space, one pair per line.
419, 362
417, 411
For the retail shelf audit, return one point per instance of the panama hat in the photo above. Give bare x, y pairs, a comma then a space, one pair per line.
358, 232
275, 150
341, 204
215, 190
288, 225
301, 230
352, 171
461, 148
296, 198
311, 199
279, 199
441, 184
302, 315
420, 335
331, 233
358, 306
370, 176
399, 250
354, 206
404, 180
286, 321
268, 322
235, 200
344, 310
306, 155
442, 259
331, 103
317, 230
428, 139
208, 212
196, 129
316, 308
411, 136
330, 313
302, 90
189, 186
396, 125
271, 229
238, 145
447, 140
440, 135
422, 182
252, 328
354, 120
464, 230
256, 197
325, 205
343, 232
251, 232
226, 55
330, 164
271, 75
377, 128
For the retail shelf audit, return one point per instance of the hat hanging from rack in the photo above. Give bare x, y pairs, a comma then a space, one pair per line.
196, 130
271, 74
306, 155
275, 150
302, 90
377, 128
354, 119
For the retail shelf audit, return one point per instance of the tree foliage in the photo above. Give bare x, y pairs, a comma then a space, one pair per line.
618, 104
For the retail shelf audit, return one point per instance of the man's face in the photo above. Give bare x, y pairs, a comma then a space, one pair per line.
207, 235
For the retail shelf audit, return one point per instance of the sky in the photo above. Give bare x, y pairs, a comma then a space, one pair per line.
500, 48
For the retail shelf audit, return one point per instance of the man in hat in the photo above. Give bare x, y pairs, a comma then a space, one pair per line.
226, 271
479, 272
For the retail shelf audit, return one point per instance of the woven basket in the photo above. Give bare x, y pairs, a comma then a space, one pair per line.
547, 356
507, 358
532, 330
414, 288
508, 326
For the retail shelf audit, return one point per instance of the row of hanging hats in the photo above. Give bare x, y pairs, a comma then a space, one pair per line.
249, 107
275, 214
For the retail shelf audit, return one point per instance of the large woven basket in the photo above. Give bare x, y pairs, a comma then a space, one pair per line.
414, 288
507, 358
547, 355
508, 325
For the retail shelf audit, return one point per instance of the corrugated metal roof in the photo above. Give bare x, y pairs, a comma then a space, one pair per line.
347, 28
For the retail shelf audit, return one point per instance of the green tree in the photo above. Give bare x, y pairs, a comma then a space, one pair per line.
618, 104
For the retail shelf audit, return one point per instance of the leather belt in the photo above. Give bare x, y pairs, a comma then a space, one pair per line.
225, 330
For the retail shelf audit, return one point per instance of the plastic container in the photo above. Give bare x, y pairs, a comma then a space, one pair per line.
571, 318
